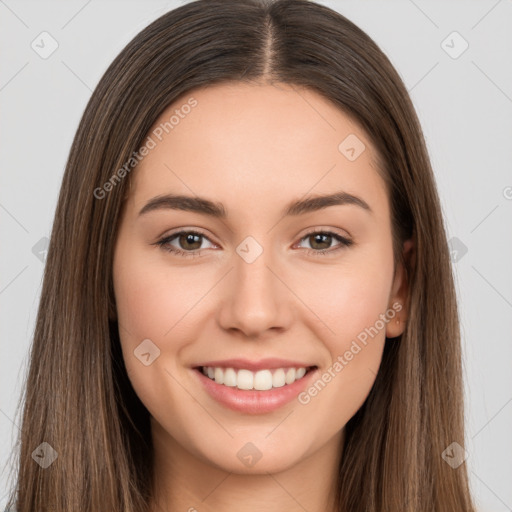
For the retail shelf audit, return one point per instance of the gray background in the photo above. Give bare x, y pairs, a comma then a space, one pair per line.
464, 104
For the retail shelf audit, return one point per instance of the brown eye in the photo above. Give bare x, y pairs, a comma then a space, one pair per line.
184, 243
320, 242
189, 241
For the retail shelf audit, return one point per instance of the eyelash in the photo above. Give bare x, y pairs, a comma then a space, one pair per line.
164, 243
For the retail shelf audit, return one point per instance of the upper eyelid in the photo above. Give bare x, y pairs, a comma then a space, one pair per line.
187, 231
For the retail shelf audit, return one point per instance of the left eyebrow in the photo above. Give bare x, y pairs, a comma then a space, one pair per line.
319, 202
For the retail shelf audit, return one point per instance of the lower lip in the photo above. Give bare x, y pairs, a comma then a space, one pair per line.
253, 401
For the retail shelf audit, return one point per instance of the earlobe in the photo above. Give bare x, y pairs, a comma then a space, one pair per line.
400, 292
395, 326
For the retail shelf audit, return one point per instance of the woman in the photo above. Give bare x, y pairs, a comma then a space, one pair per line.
248, 300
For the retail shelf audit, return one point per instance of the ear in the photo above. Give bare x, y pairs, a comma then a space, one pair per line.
400, 291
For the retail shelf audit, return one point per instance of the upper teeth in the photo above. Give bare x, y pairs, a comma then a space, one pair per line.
260, 380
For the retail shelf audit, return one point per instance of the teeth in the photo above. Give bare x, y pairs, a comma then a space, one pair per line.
230, 377
300, 373
244, 379
278, 378
219, 376
261, 380
290, 376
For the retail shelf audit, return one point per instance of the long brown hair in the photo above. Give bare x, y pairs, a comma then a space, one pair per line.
77, 396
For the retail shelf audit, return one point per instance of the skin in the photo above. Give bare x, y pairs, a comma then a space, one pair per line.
254, 148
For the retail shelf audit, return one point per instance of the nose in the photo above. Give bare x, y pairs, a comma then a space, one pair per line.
256, 298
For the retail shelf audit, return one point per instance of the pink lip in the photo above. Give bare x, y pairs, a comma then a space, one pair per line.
254, 366
253, 401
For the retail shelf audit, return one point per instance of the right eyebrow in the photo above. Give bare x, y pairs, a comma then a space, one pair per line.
185, 203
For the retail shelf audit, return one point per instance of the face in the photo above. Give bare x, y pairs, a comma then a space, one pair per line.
262, 289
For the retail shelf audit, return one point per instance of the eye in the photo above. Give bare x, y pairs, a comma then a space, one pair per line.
187, 243
190, 241
320, 242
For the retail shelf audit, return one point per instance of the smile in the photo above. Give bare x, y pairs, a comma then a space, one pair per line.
254, 387
260, 380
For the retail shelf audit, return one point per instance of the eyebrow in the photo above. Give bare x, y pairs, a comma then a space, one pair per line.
214, 209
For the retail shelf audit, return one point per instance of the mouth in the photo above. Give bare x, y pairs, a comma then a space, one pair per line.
260, 380
254, 388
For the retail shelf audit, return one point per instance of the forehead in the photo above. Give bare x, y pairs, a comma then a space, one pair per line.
252, 145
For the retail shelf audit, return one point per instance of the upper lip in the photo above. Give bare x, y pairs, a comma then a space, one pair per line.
262, 364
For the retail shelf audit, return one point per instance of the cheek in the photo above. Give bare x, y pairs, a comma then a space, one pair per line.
152, 298
139, 304
351, 303
351, 300
350, 297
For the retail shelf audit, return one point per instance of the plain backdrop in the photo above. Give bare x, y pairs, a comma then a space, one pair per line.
455, 59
